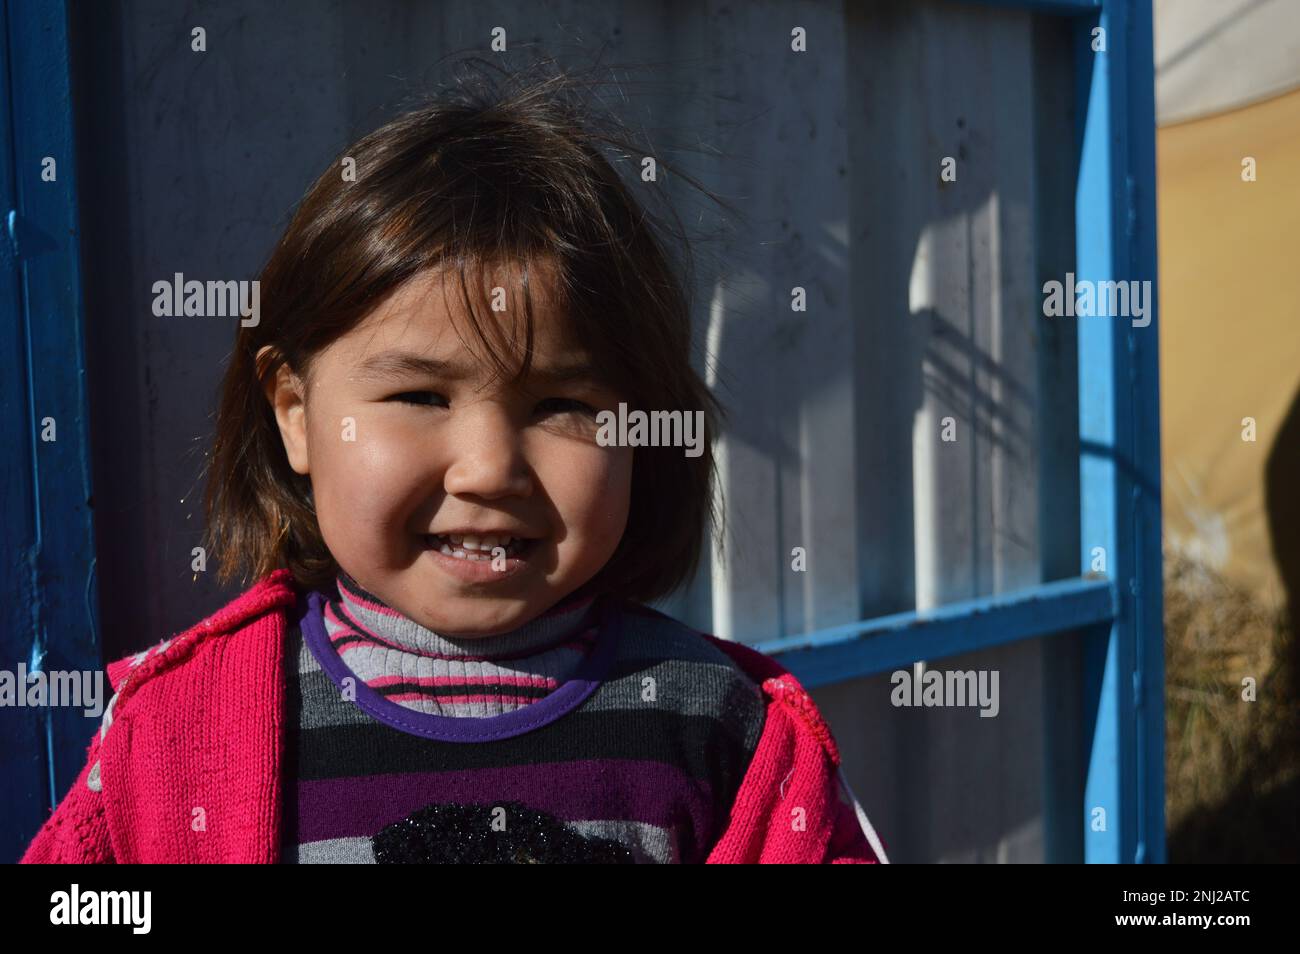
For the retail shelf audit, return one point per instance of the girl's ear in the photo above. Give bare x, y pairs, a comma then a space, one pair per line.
284, 391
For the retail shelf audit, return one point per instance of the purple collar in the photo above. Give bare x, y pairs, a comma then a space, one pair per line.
573, 693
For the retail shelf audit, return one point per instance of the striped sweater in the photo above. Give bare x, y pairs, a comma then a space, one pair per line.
636, 757
197, 721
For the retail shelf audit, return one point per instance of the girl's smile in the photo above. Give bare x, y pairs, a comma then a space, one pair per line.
480, 556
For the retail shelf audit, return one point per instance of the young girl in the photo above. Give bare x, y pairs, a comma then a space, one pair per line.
446, 655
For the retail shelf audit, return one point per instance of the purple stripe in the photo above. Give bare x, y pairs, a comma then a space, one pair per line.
585, 680
604, 789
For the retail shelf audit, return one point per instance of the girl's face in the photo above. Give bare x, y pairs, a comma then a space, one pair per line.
414, 450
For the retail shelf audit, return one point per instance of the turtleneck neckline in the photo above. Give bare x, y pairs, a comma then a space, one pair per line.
367, 615
497, 686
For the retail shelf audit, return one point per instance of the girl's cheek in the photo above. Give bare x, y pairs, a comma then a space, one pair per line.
366, 465
606, 488
385, 456
584, 470
616, 470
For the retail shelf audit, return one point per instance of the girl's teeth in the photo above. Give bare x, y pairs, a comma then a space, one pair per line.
482, 544
476, 548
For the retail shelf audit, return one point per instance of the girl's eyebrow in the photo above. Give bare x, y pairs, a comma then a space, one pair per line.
388, 364
581, 371
394, 363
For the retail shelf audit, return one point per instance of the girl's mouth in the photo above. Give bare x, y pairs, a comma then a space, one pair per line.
478, 549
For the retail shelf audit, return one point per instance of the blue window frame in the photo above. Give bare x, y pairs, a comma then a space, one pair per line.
1119, 613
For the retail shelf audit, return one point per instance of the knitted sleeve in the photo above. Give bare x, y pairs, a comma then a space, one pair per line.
77, 832
793, 806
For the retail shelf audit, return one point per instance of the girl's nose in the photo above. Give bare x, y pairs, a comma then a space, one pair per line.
487, 456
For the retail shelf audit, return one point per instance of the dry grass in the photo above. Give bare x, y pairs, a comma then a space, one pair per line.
1232, 766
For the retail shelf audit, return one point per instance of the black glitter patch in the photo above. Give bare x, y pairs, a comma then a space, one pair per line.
452, 833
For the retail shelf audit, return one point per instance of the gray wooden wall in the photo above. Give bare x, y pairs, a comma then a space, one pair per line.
922, 304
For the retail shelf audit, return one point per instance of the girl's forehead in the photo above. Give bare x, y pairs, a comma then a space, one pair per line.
424, 328
431, 309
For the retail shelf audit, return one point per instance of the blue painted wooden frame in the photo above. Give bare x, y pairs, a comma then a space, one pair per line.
885, 643
1119, 431
49, 620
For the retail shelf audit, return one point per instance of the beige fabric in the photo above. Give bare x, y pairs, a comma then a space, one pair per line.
1230, 329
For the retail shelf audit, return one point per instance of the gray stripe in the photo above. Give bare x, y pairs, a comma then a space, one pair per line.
306, 660
324, 707
334, 851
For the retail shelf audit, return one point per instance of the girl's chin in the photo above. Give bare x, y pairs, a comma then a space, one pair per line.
475, 624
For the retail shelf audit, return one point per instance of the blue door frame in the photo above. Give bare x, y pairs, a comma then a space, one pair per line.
48, 614
1120, 612
49, 579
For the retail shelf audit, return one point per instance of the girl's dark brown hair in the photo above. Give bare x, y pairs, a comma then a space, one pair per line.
513, 171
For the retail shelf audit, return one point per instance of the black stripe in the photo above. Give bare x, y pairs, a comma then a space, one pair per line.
692, 744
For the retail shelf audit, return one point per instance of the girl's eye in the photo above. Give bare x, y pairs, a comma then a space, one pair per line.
564, 405
418, 397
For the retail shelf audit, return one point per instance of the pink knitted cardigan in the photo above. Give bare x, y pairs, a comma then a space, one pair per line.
186, 766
